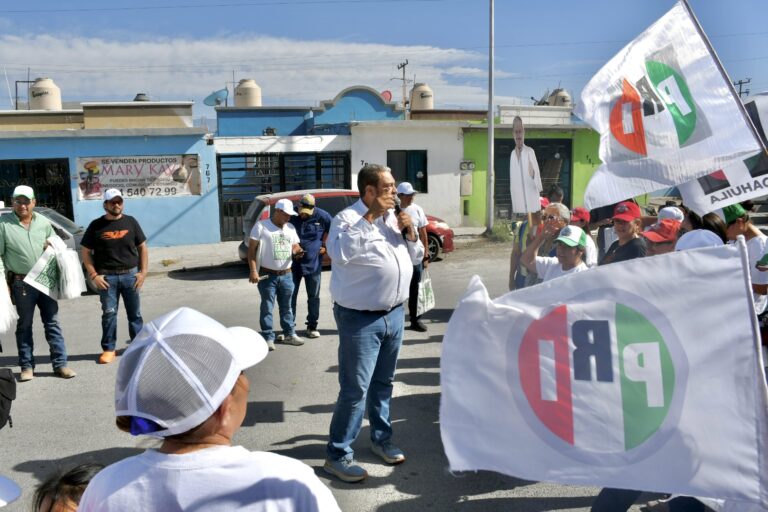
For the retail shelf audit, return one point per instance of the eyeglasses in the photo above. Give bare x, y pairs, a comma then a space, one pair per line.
551, 217
21, 201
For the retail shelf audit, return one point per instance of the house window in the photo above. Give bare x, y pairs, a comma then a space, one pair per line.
409, 165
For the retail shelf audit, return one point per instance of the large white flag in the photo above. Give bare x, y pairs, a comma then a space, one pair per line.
643, 374
665, 113
741, 180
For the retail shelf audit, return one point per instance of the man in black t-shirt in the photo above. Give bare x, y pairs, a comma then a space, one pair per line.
115, 256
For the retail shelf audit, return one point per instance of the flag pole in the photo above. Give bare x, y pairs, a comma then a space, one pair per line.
723, 72
490, 178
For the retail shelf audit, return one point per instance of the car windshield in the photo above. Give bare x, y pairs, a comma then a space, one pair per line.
60, 220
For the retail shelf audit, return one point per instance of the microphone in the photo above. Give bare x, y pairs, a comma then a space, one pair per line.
398, 209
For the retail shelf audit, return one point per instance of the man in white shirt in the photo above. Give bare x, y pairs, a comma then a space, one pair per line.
371, 250
406, 192
271, 249
192, 362
524, 175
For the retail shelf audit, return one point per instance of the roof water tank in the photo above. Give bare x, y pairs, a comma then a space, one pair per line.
142, 96
44, 95
421, 97
559, 98
247, 93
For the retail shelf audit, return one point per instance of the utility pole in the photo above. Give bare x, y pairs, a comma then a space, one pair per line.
402, 66
489, 186
740, 83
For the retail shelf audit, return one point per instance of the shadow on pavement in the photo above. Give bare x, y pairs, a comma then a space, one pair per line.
263, 412
225, 271
42, 469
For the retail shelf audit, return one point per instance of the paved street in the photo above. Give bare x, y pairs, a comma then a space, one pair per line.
59, 423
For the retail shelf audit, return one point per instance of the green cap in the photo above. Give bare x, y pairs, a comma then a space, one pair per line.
572, 236
733, 213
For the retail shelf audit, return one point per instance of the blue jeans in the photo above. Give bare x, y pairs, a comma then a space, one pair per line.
119, 285
369, 343
281, 287
26, 298
312, 283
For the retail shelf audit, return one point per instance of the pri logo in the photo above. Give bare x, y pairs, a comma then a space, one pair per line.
659, 97
602, 381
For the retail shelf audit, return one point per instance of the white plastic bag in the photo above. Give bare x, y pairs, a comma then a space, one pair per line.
71, 279
8, 313
426, 295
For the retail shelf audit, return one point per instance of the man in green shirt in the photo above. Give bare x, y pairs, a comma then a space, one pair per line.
23, 237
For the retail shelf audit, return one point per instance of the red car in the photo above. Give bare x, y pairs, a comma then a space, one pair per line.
439, 234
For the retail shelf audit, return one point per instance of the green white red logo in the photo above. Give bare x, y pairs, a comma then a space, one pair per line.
660, 96
601, 379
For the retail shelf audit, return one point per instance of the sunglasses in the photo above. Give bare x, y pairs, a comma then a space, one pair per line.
21, 201
115, 201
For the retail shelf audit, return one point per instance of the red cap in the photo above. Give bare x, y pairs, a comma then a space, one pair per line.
626, 211
664, 231
544, 202
580, 213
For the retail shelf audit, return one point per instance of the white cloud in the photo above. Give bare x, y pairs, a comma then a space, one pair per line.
290, 72
464, 71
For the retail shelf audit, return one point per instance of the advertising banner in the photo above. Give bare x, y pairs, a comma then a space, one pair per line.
138, 176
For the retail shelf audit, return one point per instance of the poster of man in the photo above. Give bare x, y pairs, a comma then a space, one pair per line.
524, 176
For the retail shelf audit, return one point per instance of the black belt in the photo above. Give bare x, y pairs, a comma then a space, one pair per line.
275, 272
371, 312
116, 271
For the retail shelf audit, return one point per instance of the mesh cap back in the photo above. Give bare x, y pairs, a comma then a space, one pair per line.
181, 367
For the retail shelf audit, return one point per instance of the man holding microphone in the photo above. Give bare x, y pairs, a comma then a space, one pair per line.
371, 245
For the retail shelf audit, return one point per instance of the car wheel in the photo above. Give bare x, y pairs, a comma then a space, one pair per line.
433, 246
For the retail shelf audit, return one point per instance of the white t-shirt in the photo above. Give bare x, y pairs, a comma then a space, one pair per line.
224, 478
590, 252
549, 268
276, 244
419, 221
756, 248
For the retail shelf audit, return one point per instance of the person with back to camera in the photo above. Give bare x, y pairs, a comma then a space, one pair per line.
183, 380
62, 491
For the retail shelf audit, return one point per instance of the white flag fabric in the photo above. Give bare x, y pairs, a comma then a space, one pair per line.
664, 111
644, 374
742, 180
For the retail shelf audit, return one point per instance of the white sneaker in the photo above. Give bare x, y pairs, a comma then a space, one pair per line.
271, 345
313, 333
280, 337
293, 340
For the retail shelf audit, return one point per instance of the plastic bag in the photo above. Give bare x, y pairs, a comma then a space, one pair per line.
71, 279
426, 295
8, 314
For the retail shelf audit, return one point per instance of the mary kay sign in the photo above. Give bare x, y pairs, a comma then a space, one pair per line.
138, 176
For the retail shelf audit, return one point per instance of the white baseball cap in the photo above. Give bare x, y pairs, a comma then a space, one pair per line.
671, 212
285, 205
111, 194
179, 369
572, 236
406, 189
24, 190
698, 238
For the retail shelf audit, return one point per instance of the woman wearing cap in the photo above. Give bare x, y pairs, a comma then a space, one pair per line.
737, 223
626, 225
660, 238
570, 245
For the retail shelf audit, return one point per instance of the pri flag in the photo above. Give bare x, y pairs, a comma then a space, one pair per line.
741, 180
665, 113
643, 374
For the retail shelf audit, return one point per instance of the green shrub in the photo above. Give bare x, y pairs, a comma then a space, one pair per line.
501, 232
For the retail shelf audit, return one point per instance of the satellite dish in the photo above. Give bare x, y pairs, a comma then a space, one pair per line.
216, 98
387, 95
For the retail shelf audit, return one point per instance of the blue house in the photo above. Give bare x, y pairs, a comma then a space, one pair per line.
165, 167
261, 149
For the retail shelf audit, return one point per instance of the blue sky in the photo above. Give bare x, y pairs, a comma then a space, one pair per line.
302, 52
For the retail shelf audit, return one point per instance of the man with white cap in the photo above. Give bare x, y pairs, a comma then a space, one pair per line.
405, 192
23, 238
273, 246
312, 224
183, 380
115, 255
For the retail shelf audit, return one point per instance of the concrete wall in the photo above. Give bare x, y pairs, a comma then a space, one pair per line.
166, 221
238, 122
442, 141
